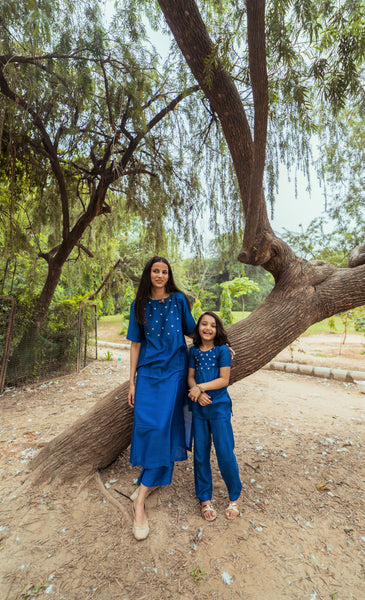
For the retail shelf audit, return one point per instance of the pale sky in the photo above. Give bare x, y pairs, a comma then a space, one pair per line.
291, 211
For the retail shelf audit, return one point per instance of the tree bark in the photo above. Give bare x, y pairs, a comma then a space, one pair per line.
92, 442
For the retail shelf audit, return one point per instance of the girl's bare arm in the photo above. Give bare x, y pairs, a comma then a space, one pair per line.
217, 384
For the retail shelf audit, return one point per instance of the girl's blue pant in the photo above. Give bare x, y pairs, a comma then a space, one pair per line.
156, 477
218, 430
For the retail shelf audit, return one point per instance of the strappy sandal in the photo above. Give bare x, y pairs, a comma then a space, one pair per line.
206, 508
232, 506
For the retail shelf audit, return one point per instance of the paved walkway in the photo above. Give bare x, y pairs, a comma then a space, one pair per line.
324, 372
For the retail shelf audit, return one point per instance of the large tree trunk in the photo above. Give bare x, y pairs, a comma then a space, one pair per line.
304, 293
96, 439
91, 443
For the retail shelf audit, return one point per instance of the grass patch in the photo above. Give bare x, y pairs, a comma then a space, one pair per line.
324, 327
238, 315
111, 319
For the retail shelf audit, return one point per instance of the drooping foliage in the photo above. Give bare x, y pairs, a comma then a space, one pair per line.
90, 112
315, 52
87, 128
332, 236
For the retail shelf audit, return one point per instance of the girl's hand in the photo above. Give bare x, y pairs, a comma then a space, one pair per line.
194, 393
131, 392
204, 399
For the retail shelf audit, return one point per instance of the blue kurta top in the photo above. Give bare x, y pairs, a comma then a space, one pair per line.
158, 436
207, 366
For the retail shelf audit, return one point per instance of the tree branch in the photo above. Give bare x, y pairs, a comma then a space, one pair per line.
86, 250
357, 256
107, 97
117, 169
191, 35
49, 147
258, 72
105, 280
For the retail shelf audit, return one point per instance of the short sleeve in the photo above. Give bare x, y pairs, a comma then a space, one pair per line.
225, 358
135, 330
191, 358
188, 322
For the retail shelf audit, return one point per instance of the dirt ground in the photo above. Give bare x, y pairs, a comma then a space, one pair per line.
300, 449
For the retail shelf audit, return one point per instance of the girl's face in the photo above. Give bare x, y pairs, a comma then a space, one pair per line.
159, 275
207, 328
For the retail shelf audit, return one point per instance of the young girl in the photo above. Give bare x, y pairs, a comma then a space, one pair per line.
209, 370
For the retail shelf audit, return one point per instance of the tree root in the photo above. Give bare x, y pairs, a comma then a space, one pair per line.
117, 505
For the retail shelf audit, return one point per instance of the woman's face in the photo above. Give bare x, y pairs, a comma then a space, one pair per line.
159, 275
207, 328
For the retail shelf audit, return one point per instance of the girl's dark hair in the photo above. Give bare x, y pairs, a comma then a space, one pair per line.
220, 336
144, 288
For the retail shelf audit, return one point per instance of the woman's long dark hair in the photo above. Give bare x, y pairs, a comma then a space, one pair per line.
220, 334
144, 288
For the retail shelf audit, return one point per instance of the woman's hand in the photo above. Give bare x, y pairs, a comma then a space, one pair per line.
204, 399
131, 393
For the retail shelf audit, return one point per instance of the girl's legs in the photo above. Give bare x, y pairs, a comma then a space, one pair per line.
202, 469
224, 445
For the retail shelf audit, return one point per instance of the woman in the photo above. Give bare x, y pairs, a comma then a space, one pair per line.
160, 318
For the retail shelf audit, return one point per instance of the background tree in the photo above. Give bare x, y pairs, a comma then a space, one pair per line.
239, 287
206, 274
87, 125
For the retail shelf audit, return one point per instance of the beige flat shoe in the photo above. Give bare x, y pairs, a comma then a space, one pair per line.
140, 532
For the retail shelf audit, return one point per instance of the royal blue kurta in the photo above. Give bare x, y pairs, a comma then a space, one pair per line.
207, 366
158, 435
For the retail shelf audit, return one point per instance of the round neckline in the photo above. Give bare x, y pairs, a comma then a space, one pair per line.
207, 350
159, 299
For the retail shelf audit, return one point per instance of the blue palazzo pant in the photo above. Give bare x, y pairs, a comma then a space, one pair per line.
219, 430
156, 477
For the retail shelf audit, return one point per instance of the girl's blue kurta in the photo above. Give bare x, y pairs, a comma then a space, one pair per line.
158, 435
207, 366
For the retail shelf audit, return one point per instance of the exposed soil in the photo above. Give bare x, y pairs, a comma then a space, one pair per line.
300, 448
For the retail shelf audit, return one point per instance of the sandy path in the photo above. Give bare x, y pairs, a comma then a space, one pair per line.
292, 540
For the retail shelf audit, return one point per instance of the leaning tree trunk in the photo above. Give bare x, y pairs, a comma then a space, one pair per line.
304, 293
92, 442
314, 292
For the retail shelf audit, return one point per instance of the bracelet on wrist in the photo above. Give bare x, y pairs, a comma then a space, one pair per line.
201, 389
